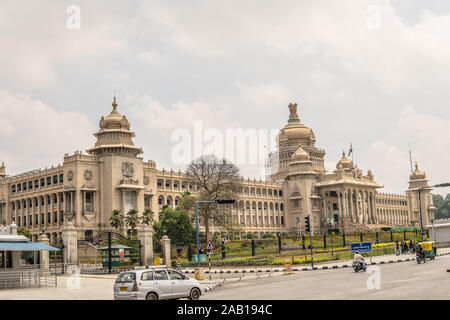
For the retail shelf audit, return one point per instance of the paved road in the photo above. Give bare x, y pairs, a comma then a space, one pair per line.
404, 280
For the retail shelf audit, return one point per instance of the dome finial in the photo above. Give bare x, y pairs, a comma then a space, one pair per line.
293, 111
114, 104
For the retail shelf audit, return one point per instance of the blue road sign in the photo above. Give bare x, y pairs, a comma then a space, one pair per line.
361, 247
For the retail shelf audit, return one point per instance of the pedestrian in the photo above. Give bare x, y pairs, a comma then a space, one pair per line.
403, 247
411, 250
406, 247
397, 249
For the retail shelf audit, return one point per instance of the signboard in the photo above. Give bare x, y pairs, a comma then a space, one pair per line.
202, 258
209, 253
209, 246
121, 253
361, 247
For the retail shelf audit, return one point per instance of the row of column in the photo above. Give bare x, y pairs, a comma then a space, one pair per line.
355, 205
359, 206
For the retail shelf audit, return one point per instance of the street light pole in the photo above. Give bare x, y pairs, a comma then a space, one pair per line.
196, 222
420, 211
224, 201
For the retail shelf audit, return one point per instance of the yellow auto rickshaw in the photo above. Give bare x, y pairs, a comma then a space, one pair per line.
429, 249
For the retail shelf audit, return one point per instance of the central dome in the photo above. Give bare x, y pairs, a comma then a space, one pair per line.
295, 130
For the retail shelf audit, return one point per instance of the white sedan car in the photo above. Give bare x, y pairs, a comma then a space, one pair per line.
156, 283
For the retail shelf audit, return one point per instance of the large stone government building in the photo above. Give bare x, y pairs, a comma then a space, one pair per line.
87, 187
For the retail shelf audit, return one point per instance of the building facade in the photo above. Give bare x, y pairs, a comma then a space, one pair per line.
87, 187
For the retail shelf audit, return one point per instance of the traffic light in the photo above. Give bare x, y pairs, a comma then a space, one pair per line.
225, 201
307, 224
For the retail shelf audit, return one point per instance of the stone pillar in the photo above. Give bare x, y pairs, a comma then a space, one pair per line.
165, 245
364, 211
45, 257
374, 207
358, 208
145, 235
69, 236
78, 206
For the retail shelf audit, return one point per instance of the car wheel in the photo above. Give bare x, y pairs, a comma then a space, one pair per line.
195, 294
151, 296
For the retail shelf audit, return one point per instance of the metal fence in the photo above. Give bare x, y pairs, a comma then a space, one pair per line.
27, 278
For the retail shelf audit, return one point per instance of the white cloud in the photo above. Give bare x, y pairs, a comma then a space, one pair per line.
181, 114
150, 56
39, 41
430, 142
270, 94
31, 129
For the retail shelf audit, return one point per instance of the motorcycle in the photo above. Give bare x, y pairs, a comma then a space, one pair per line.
421, 257
357, 266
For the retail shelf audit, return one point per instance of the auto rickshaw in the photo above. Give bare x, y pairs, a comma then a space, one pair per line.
429, 249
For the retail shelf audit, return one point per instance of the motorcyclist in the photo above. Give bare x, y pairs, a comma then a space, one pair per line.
419, 251
359, 259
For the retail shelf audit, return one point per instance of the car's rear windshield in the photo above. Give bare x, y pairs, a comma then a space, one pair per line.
126, 277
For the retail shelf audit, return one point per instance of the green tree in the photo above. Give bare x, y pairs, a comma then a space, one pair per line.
24, 232
147, 217
176, 225
132, 220
116, 220
187, 202
442, 206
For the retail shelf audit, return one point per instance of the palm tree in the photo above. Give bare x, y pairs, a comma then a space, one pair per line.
116, 220
132, 220
147, 217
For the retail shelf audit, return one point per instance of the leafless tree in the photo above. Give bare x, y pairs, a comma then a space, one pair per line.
215, 179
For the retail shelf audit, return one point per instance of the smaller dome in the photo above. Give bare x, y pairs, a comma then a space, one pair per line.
344, 162
114, 120
417, 174
300, 155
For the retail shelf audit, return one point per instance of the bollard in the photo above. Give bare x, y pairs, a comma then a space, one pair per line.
223, 250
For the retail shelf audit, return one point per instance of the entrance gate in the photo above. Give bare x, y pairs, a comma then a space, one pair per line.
108, 252
57, 257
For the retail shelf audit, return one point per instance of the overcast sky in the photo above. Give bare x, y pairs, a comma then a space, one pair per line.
375, 76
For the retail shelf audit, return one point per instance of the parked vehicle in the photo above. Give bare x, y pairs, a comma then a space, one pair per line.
156, 283
357, 266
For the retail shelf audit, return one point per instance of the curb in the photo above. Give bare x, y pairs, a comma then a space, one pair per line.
310, 269
209, 288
